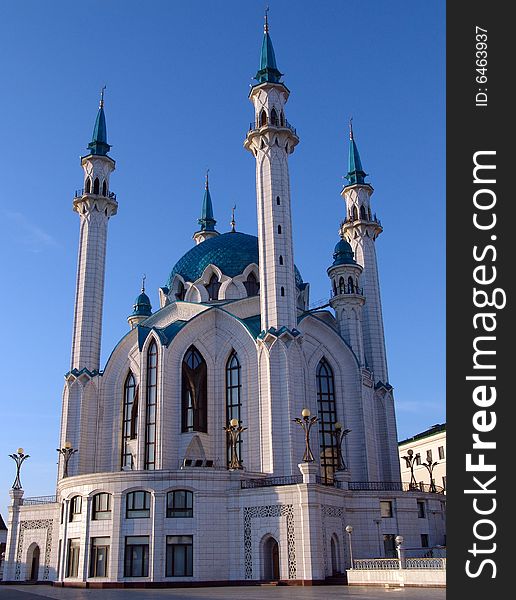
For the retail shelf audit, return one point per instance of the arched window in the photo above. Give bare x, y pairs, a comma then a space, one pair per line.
180, 294
282, 291
194, 392
233, 399
282, 119
96, 185
75, 509
251, 285
341, 285
150, 407
213, 288
279, 229
88, 185
137, 505
263, 118
104, 188
281, 260
354, 213
278, 200
327, 413
101, 507
363, 215
351, 285
179, 504
129, 420
274, 117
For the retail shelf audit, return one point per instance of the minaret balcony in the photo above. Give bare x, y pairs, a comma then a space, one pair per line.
255, 127
349, 290
80, 193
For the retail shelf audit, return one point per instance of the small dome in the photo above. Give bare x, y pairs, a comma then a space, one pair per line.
343, 254
142, 306
231, 252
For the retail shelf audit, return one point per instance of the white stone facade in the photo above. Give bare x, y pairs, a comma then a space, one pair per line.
149, 492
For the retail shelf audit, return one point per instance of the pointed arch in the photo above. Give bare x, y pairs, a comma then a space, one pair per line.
252, 285
150, 406
263, 118
96, 185
354, 213
129, 419
194, 392
282, 119
342, 288
87, 189
351, 285
104, 188
327, 413
274, 117
363, 214
233, 398
213, 287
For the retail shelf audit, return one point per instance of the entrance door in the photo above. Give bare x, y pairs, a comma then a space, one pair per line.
271, 560
34, 568
334, 557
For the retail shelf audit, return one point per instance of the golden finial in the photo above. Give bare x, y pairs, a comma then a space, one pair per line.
266, 24
101, 105
233, 223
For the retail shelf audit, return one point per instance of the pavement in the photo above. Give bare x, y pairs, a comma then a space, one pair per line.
326, 592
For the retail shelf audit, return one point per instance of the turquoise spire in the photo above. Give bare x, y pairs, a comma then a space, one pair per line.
268, 71
355, 172
98, 144
142, 306
207, 222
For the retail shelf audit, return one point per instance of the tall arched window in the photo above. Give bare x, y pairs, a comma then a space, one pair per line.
342, 289
96, 185
233, 399
274, 117
327, 419
180, 294
251, 285
194, 392
213, 288
351, 285
88, 185
354, 213
129, 418
104, 188
150, 407
263, 118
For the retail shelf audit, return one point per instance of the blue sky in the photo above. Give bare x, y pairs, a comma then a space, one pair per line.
178, 76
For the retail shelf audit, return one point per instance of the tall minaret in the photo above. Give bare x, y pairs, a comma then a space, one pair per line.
95, 204
271, 139
361, 229
206, 220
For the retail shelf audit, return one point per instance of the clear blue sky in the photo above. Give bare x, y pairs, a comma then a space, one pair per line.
177, 76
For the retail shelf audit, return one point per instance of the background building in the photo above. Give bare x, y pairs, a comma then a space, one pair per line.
427, 445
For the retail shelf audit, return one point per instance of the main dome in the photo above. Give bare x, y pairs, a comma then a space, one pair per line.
231, 252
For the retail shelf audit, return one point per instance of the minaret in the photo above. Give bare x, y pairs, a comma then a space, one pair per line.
347, 297
271, 139
141, 308
95, 204
361, 229
206, 221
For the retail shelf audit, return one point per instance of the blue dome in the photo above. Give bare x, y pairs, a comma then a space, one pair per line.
231, 252
142, 305
343, 254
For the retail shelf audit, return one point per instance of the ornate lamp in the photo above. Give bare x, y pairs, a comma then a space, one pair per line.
430, 467
306, 423
234, 431
410, 461
339, 434
349, 531
18, 459
67, 452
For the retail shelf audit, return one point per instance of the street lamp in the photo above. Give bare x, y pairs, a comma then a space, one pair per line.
410, 461
399, 540
339, 434
234, 431
18, 459
306, 423
349, 530
67, 451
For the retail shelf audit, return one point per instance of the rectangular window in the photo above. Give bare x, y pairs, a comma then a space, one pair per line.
75, 508
421, 513
136, 560
424, 540
440, 450
99, 557
386, 509
418, 459
180, 504
428, 456
101, 507
179, 556
59, 556
389, 545
138, 505
72, 565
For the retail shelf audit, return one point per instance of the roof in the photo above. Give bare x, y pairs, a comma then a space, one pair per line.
424, 434
2, 524
231, 252
98, 144
343, 254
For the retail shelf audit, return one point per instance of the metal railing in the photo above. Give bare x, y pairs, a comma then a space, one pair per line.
347, 289
38, 500
80, 193
287, 125
425, 563
246, 484
383, 564
393, 486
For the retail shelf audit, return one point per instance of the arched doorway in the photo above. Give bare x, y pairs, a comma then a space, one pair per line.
33, 562
335, 555
270, 552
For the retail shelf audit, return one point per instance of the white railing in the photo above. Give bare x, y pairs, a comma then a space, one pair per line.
425, 563
375, 564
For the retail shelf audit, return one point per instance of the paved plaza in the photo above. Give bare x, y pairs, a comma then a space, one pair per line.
38, 592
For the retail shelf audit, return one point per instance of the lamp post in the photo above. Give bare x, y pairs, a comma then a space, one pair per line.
306, 423
349, 530
430, 467
339, 434
18, 459
399, 540
234, 430
67, 452
410, 461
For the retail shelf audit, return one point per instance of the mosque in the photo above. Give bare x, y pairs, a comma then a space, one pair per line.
234, 435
